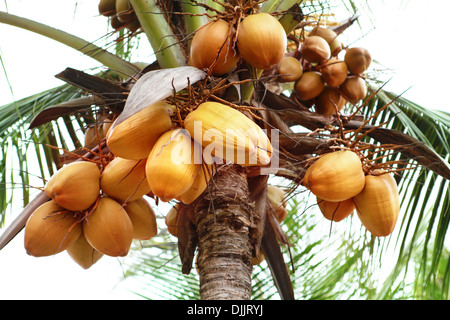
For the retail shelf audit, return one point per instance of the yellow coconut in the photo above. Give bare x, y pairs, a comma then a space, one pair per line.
226, 133
334, 72
75, 186
83, 253
329, 101
290, 69
143, 219
172, 165
261, 40
336, 211
378, 204
125, 179
315, 49
330, 36
51, 229
199, 185
212, 47
335, 176
108, 228
354, 89
134, 137
309, 86
277, 198
357, 60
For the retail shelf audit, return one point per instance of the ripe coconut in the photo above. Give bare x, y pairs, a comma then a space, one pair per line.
108, 228
134, 137
125, 179
125, 12
329, 101
50, 229
315, 49
334, 72
357, 60
289, 69
354, 89
228, 134
309, 86
330, 36
261, 40
171, 166
83, 253
107, 7
336, 211
143, 219
335, 176
75, 186
378, 204
212, 46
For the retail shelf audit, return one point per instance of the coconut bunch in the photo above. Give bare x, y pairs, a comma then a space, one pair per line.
259, 39
177, 160
342, 185
91, 213
120, 13
322, 79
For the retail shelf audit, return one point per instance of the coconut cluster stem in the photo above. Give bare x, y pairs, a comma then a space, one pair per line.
164, 43
106, 58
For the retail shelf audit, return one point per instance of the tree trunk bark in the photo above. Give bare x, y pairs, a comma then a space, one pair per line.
223, 220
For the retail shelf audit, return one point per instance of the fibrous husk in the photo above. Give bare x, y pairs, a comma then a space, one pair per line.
75, 186
50, 229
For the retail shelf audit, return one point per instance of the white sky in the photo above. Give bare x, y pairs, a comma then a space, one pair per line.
407, 40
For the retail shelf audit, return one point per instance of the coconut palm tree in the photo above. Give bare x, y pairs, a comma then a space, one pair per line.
213, 255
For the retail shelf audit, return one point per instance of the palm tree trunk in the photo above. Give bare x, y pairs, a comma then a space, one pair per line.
223, 220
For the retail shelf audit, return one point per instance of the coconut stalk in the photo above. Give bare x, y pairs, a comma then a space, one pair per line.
164, 43
104, 57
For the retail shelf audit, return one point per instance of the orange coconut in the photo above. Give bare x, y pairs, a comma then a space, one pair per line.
171, 167
309, 86
334, 72
290, 69
336, 211
315, 49
108, 228
171, 220
354, 89
199, 185
228, 134
134, 137
357, 60
212, 47
335, 176
261, 40
50, 229
83, 253
378, 204
329, 101
75, 186
143, 219
125, 179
